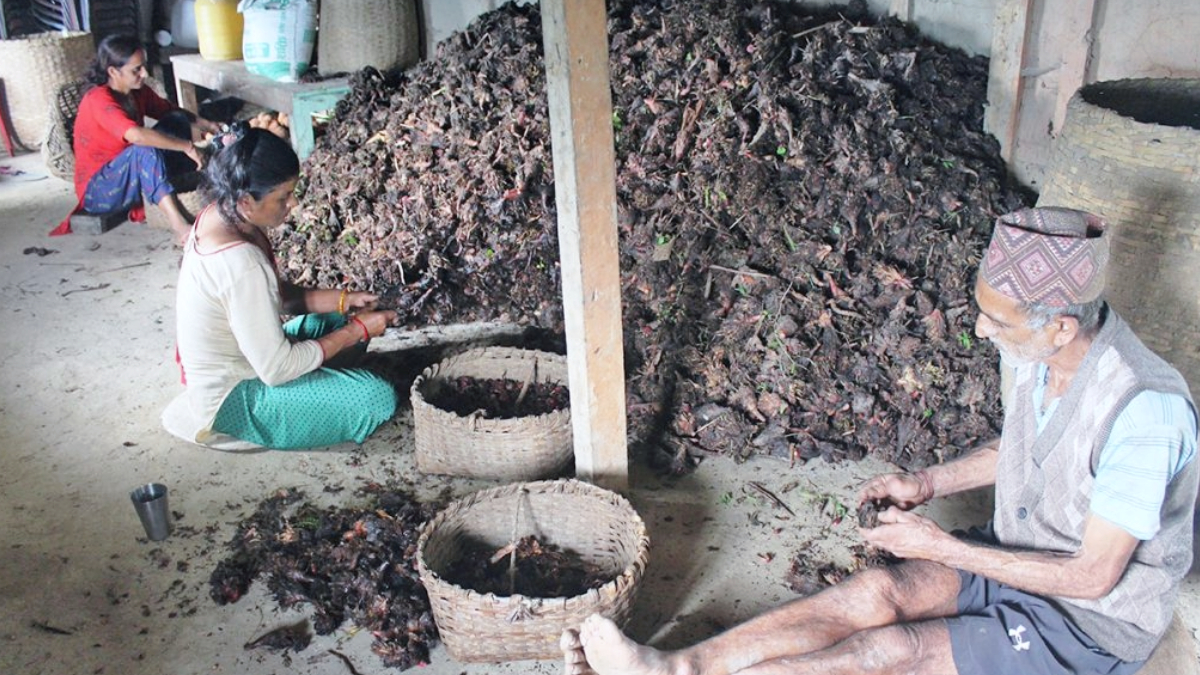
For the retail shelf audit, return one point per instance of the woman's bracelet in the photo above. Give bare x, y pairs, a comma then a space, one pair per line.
366, 333
342, 301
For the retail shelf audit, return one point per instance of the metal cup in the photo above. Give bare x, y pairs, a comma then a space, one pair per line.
150, 502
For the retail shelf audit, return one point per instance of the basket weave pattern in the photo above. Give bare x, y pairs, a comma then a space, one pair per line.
1128, 152
33, 67
191, 202
58, 151
360, 33
518, 448
601, 526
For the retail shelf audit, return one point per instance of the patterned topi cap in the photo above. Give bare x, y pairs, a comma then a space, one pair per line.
1052, 256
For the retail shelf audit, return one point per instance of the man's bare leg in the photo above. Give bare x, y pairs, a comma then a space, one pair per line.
175, 216
908, 592
909, 649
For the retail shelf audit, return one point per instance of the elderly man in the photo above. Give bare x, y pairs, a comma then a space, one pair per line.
1095, 484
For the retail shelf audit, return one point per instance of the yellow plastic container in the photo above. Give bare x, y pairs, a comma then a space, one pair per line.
219, 29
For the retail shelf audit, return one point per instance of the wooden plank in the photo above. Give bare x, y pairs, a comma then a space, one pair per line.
575, 36
1076, 33
902, 9
230, 78
1009, 34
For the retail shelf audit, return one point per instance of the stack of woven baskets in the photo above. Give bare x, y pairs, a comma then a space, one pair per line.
33, 67
1128, 151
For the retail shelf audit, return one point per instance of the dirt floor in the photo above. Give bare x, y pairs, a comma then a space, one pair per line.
88, 367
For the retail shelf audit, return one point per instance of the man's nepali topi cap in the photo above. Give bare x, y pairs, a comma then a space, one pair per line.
1051, 256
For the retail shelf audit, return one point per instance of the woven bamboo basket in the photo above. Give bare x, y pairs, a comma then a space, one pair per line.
517, 448
1129, 151
58, 151
355, 34
33, 67
599, 525
191, 201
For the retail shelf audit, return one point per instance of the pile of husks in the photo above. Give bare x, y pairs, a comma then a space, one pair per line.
496, 398
356, 564
803, 198
526, 567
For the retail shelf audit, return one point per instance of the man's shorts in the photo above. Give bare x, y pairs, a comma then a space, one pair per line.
1003, 630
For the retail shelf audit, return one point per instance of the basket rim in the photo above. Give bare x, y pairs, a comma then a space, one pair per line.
633, 570
431, 372
1086, 94
48, 35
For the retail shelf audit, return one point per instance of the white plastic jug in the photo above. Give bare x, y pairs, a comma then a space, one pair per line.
183, 24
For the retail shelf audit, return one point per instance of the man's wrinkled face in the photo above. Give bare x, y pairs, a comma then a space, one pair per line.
1002, 323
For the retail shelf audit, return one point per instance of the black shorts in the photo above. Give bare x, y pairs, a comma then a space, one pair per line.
1003, 630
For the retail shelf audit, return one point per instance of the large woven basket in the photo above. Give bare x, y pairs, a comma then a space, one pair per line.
517, 448
58, 151
355, 34
1130, 151
191, 201
599, 525
33, 67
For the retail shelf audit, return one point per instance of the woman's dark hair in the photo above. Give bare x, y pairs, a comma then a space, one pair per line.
114, 52
254, 164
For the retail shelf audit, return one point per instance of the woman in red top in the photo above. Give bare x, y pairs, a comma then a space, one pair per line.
119, 161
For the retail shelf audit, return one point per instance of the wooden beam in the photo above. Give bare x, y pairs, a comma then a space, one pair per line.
1077, 21
1009, 34
575, 36
902, 10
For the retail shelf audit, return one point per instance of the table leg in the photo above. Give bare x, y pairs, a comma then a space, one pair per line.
304, 106
186, 91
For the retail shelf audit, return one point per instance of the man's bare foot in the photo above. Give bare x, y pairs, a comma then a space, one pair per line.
608, 652
574, 662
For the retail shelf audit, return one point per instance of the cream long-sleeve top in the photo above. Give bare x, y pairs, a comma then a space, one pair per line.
228, 321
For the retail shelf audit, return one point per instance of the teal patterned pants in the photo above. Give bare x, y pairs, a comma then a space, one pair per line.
324, 407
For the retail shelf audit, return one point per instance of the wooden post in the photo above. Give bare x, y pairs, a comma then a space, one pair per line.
1078, 19
1009, 33
902, 9
575, 36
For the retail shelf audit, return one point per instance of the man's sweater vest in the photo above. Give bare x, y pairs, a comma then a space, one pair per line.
1044, 488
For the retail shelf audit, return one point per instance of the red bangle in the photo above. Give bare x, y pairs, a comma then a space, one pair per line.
366, 333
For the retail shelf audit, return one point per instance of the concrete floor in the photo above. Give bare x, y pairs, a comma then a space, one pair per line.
87, 362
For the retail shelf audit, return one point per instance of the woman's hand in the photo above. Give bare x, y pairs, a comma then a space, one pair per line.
194, 155
905, 490
359, 328
374, 323
207, 127
358, 300
344, 301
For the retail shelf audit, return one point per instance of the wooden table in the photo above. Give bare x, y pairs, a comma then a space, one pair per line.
230, 78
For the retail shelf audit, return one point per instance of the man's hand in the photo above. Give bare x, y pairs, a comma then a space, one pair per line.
908, 535
905, 490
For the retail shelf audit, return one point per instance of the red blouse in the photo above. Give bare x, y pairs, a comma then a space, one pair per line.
100, 127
